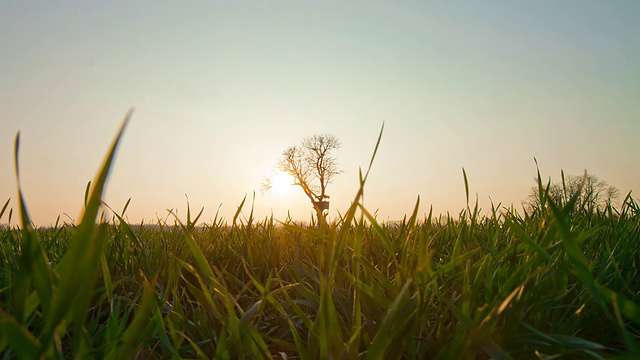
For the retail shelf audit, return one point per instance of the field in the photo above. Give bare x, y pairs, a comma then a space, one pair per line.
558, 281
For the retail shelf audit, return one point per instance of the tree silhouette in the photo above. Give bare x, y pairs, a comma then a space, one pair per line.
312, 168
592, 193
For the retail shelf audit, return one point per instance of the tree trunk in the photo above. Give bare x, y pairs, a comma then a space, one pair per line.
322, 221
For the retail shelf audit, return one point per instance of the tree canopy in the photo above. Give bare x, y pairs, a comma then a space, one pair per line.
592, 193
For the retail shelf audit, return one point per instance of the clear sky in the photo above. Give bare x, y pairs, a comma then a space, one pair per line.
221, 88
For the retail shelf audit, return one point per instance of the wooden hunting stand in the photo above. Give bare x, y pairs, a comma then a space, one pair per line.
322, 205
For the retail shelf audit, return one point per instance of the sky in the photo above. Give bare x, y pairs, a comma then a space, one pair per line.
220, 88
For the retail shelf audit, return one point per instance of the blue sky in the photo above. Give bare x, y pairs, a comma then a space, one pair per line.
221, 88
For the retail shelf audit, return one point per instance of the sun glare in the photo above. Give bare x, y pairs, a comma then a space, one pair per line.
281, 184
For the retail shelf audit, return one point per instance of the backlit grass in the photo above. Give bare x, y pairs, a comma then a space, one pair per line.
554, 281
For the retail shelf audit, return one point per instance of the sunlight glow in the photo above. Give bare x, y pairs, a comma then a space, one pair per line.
281, 184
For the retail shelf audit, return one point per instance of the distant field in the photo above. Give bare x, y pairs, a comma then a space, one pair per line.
561, 280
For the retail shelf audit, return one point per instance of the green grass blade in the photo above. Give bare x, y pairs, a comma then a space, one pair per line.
235, 216
392, 325
17, 337
466, 185
4, 207
130, 341
32, 260
83, 253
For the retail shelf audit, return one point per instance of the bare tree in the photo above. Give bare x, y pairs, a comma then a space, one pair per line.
592, 193
312, 168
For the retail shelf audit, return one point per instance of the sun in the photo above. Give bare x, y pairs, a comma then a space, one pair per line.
281, 184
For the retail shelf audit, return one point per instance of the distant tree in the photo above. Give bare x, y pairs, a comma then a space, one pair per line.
312, 168
593, 193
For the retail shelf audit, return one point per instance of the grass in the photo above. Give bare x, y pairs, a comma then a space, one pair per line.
553, 282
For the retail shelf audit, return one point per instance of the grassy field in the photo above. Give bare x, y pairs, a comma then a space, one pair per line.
560, 281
